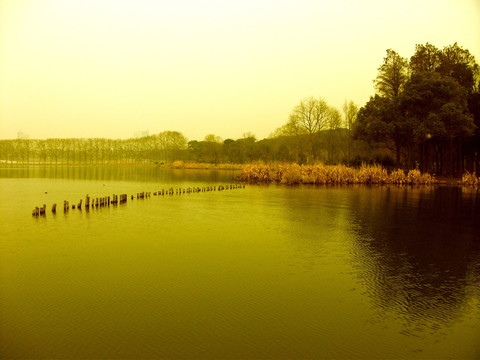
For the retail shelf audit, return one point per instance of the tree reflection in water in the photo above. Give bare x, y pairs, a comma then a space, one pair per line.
417, 251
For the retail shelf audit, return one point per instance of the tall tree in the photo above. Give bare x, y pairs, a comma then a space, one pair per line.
459, 64
392, 75
381, 124
213, 147
350, 111
427, 58
334, 123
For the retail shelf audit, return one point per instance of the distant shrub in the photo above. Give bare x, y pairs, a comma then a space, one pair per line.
373, 174
397, 177
255, 172
291, 174
426, 179
178, 164
470, 179
413, 176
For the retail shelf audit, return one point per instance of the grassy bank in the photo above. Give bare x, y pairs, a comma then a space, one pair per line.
331, 174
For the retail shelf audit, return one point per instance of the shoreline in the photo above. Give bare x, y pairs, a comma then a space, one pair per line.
178, 165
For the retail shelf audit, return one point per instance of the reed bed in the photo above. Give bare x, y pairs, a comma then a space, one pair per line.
292, 174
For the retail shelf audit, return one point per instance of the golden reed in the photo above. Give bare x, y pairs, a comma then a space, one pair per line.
290, 173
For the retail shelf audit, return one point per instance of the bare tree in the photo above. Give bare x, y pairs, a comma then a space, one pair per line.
310, 117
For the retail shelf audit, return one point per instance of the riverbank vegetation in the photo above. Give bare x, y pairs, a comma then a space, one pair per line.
425, 115
317, 174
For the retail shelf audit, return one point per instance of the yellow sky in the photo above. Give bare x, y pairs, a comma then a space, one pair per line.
112, 68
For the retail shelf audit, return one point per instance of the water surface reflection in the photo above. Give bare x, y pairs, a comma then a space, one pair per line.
417, 251
117, 173
262, 272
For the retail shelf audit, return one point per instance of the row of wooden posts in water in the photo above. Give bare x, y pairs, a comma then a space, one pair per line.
122, 198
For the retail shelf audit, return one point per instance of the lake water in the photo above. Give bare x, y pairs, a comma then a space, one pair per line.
261, 272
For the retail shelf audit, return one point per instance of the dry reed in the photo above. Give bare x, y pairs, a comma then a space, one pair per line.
292, 173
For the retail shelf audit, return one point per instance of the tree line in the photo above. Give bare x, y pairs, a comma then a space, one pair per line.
425, 114
164, 147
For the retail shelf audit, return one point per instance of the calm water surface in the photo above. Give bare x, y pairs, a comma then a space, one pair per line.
261, 272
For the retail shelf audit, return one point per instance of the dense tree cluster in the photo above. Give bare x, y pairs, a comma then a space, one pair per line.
426, 110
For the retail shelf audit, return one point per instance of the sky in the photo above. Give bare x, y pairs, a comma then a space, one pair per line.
115, 69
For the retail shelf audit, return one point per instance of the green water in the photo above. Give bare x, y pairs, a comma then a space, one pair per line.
261, 272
